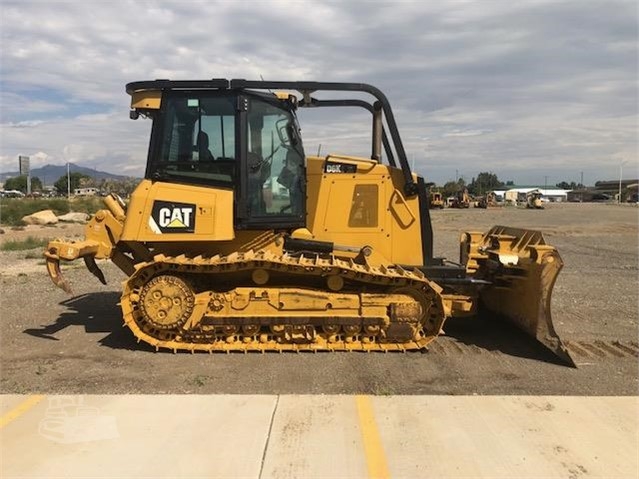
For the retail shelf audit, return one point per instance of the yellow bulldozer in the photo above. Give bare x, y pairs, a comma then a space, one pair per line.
237, 240
461, 199
436, 200
533, 200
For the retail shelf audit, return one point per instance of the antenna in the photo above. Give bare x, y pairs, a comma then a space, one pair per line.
262, 78
319, 148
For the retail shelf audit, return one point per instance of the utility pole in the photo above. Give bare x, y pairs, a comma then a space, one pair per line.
581, 182
620, 176
24, 162
68, 183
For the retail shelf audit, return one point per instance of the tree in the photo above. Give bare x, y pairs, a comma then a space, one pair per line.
87, 182
20, 183
452, 187
123, 187
74, 178
564, 185
484, 183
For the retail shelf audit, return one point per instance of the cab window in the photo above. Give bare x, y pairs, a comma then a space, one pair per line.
197, 141
275, 161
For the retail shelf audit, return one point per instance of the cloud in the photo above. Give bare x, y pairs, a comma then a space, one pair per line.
23, 124
466, 133
524, 88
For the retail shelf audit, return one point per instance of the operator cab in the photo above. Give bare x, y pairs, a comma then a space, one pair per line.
243, 141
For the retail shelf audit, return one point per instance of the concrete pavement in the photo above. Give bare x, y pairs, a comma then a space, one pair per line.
291, 436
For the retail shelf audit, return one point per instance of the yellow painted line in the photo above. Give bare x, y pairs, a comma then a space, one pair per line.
20, 409
373, 449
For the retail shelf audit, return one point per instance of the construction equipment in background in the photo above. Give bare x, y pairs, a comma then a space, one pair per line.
461, 199
236, 240
480, 202
436, 200
489, 200
533, 200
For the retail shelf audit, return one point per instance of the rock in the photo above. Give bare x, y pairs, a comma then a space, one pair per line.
74, 217
45, 217
1, 231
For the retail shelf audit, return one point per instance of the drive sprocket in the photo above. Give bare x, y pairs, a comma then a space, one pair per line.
166, 302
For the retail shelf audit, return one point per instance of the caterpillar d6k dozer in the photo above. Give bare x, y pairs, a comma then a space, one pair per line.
236, 240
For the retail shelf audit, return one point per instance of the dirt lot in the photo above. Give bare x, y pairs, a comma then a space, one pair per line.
52, 343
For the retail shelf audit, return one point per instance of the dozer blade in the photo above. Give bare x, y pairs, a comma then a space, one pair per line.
522, 270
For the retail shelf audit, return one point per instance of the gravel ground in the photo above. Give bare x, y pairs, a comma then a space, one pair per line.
53, 343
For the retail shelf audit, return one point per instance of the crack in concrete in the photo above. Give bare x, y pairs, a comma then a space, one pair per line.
268, 436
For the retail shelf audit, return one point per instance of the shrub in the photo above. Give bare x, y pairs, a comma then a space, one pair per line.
12, 210
31, 242
88, 204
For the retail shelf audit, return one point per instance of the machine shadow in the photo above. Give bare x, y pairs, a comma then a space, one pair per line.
97, 313
493, 334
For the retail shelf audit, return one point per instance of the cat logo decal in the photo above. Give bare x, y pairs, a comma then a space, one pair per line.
169, 217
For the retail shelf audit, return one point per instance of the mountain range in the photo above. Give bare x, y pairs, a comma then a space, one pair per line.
49, 174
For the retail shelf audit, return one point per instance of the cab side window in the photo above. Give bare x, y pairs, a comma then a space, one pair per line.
275, 165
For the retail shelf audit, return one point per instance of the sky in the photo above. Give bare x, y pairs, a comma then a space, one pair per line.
536, 92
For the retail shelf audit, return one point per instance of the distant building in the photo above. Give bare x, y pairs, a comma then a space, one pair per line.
518, 195
613, 185
611, 188
85, 191
554, 195
607, 191
587, 195
499, 195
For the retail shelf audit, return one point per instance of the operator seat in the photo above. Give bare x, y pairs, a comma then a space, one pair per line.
291, 178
